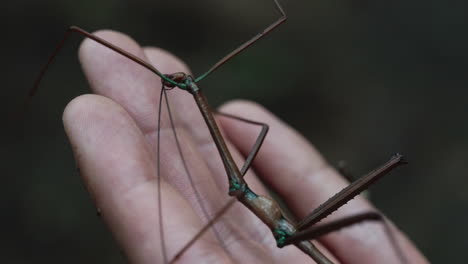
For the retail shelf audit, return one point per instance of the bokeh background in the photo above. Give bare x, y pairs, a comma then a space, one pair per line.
360, 79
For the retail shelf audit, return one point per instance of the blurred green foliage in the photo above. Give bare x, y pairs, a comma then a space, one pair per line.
360, 79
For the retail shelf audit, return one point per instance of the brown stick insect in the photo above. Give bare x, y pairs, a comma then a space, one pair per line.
286, 231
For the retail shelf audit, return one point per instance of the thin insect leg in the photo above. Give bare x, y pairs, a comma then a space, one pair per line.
258, 142
349, 192
101, 41
247, 44
316, 231
158, 173
189, 175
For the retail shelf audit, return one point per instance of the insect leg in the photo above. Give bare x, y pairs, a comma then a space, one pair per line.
316, 231
74, 29
350, 192
258, 142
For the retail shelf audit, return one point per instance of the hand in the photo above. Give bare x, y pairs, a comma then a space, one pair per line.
114, 135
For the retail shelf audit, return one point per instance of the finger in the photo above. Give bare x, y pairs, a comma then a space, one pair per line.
116, 167
293, 168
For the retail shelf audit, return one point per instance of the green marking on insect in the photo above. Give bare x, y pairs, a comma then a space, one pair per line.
280, 236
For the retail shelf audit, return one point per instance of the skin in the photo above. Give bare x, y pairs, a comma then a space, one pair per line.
113, 134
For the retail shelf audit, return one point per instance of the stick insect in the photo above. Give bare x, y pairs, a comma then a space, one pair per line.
285, 231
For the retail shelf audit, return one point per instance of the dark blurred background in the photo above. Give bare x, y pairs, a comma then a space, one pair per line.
360, 79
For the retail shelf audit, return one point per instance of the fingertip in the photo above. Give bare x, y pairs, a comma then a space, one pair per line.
77, 112
88, 119
82, 107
